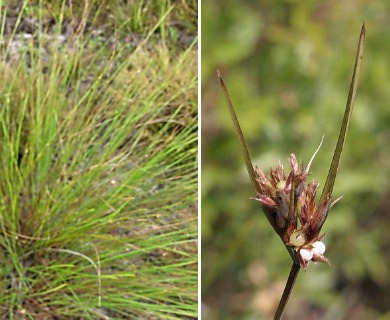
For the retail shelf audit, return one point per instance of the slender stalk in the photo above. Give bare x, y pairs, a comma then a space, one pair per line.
287, 290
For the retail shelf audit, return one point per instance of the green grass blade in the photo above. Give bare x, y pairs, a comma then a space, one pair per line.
248, 163
237, 127
328, 187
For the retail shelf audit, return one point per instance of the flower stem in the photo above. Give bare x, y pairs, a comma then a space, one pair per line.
287, 290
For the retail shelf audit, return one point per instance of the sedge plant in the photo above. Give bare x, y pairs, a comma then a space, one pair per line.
289, 201
98, 171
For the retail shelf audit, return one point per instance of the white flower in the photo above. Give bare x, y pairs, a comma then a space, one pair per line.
319, 248
306, 254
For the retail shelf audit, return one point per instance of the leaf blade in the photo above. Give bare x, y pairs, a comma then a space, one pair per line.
240, 136
251, 172
330, 180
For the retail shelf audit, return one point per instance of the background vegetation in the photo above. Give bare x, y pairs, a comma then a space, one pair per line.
288, 65
98, 167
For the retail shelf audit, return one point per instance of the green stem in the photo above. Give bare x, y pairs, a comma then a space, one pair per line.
287, 290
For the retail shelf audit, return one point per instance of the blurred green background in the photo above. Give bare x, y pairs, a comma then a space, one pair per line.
288, 66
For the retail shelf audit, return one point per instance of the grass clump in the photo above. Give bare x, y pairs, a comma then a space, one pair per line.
98, 173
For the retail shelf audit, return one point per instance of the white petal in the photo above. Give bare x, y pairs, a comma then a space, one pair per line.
306, 254
319, 247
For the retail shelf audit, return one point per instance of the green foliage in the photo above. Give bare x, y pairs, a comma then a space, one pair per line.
288, 67
98, 173
176, 21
